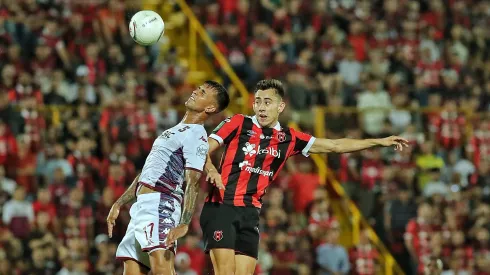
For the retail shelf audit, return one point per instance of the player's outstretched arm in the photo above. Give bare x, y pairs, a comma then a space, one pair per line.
346, 145
192, 190
128, 196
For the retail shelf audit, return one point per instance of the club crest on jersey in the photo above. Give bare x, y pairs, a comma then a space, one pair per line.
281, 136
218, 235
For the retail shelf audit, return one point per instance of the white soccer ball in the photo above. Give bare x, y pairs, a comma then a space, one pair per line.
146, 27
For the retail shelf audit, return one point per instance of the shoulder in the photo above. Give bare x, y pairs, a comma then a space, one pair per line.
193, 133
232, 121
198, 129
236, 118
296, 133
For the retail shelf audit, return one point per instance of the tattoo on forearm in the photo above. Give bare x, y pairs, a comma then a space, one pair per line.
190, 196
130, 194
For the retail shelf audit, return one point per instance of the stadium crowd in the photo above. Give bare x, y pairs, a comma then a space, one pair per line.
80, 105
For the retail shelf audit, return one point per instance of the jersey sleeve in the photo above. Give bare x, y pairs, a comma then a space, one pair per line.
195, 150
227, 129
303, 143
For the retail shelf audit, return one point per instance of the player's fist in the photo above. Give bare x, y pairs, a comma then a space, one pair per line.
396, 141
176, 233
214, 178
111, 219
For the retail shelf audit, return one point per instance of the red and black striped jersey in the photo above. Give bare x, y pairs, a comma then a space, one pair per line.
253, 157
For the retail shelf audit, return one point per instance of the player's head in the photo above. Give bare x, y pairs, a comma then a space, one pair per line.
211, 98
268, 103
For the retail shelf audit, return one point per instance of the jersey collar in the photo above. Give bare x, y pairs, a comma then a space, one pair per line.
256, 122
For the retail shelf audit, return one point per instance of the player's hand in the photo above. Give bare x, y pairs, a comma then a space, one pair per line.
214, 178
111, 219
396, 141
176, 233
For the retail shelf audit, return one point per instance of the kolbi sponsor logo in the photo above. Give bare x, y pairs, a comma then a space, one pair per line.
245, 165
250, 150
269, 150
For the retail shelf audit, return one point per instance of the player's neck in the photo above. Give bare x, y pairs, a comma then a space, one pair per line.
194, 118
271, 125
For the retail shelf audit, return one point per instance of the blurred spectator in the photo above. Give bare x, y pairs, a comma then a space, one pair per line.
8, 145
106, 252
196, 256
57, 161
418, 235
18, 214
302, 183
7, 186
182, 264
331, 257
398, 213
374, 105
44, 204
363, 257
163, 112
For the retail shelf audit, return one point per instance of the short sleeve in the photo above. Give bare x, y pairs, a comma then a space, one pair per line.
195, 149
303, 143
227, 129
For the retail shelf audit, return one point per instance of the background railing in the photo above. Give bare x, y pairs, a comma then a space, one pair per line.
189, 38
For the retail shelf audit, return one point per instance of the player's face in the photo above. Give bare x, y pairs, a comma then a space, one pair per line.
203, 99
267, 107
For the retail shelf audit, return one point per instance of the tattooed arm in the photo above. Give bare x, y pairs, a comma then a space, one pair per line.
127, 197
192, 190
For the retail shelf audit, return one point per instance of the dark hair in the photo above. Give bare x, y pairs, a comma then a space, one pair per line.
222, 96
266, 84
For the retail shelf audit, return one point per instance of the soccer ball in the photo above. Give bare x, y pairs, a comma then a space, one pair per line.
146, 27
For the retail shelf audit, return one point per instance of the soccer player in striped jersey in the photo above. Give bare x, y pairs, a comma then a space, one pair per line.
256, 149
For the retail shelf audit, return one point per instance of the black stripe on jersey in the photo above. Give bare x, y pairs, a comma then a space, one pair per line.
259, 161
235, 172
226, 151
283, 147
300, 145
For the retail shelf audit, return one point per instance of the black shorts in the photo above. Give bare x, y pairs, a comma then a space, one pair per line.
233, 227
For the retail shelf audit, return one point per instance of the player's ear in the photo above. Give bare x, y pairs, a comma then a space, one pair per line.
281, 106
211, 109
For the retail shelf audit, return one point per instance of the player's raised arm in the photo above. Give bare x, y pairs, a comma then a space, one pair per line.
128, 196
346, 145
